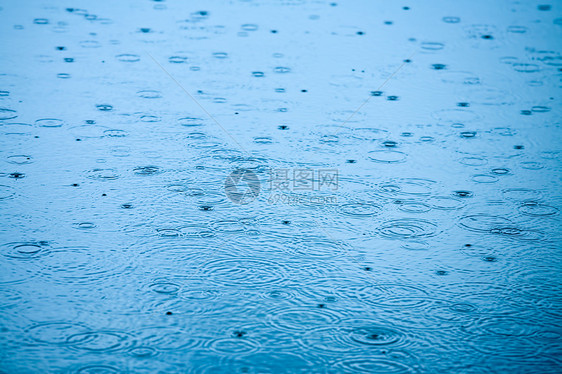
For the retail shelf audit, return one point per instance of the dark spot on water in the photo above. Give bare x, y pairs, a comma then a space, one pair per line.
390, 143
61, 48
168, 313
463, 104
68, 59
304, 90
490, 259
360, 33
239, 334
462, 193
376, 93
367, 268
206, 208
519, 147
145, 30
392, 98
441, 272
16, 175
273, 31
544, 7
78, 140
283, 127
321, 305
286, 222
407, 60
388, 22
90, 121
126, 206
526, 112
468, 245
74, 184
487, 37
350, 161
438, 66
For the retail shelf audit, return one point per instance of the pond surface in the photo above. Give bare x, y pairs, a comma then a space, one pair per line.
291, 186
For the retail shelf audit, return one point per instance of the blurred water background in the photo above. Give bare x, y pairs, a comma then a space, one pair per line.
393, 207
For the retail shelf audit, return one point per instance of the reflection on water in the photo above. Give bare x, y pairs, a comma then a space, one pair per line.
287, 186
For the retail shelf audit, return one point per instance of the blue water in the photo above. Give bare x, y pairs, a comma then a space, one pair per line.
291, 186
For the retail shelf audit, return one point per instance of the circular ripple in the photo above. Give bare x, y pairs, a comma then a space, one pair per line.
348, 338
504, 346
55, 332
115, 133
413, 207
359, 209
521, 194
25, 249
143, 352
149, 94
445, 203
165, 287
316, 248
393, 295
84, 225
532, 165
432, 46
370, 364
126, 57
234, 346
102, 174
407, 228
190, 121
375, 335
517, 233
49, 122
100, 341
537, 210
79, 265
167, 338
6, 192
504, 326
298, 319
6, 114
249, 272
20, 159
387, 156
147, 170
484, 178
98, 369
473, 161
484, 222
